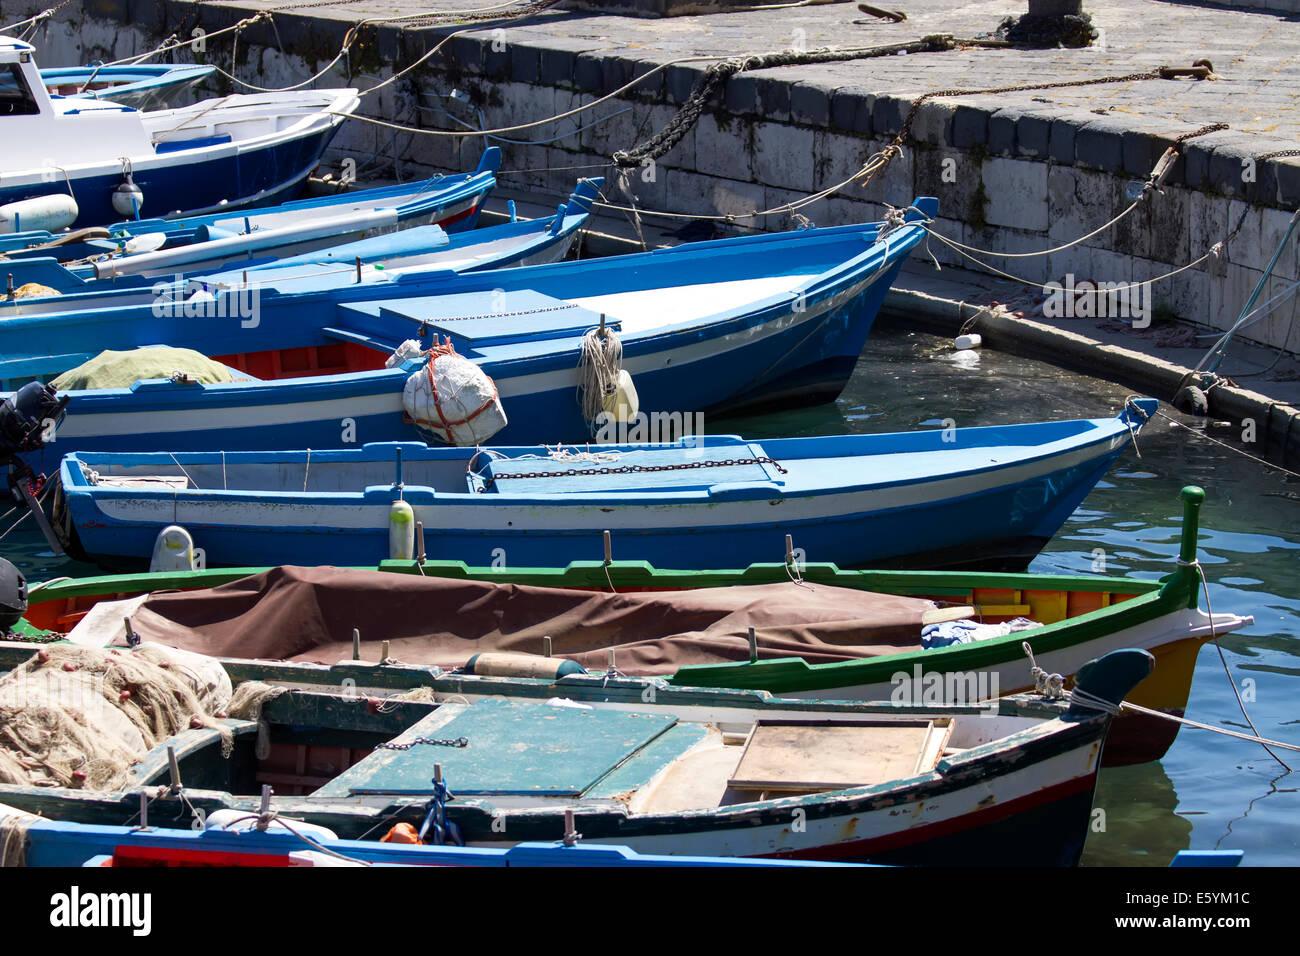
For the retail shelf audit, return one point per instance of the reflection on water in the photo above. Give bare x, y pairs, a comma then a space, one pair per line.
1135, 819
1210, 791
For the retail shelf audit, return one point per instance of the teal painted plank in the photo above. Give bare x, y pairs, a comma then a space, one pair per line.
514, 748
641, 767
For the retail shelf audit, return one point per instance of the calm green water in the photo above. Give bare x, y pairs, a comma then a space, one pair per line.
1209, 791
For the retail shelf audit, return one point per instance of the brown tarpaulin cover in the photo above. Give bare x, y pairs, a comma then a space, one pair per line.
307, 614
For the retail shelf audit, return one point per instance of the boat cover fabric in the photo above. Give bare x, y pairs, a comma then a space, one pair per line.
307, 614
110, 369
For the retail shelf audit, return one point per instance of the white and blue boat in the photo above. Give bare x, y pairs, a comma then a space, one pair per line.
770, 319
377, 259
141, 86
127, 254
228, 838
77, 161
988, 497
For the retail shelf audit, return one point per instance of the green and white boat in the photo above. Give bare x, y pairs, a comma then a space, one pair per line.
818, 632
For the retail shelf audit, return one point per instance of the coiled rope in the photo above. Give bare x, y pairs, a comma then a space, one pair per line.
599, 365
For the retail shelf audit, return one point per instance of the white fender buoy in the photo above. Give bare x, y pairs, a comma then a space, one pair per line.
969, 341
401, 531
173, 550
39, 214
623, 403
148, 242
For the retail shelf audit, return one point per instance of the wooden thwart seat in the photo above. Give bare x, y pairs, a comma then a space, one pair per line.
808, 756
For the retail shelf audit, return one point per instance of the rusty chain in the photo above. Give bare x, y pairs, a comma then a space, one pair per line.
640, 469
430, 741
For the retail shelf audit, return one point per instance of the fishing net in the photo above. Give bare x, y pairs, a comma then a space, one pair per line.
250, 697
13, 837
33, 290
82, 717
111, 369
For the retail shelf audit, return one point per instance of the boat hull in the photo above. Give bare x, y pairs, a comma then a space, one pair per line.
263, 176
965, 812
704, 368
849, 527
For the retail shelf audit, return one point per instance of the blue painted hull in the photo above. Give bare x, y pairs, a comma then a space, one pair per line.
716, 517
771, 347
971, 526
264, 176
58, 843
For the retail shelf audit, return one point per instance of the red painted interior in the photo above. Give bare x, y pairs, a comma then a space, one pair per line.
312, 360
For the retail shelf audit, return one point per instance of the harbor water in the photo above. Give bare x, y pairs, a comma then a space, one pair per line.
1210, 791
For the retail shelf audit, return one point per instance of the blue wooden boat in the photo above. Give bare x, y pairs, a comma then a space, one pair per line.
118, 162
1211, 858
495, 761
130, 254
141, 86
773, 319
221, 841
990, 496
373, 261
59, 843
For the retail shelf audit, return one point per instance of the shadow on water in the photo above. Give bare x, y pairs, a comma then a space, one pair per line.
1209, 791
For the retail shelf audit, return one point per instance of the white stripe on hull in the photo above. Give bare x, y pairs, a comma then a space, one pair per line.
1014, 676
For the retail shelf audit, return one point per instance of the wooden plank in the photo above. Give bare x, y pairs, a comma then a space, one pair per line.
808, 756
940, 614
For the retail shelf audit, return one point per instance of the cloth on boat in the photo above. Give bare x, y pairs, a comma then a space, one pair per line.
110, 369
967, 631
83, 716
307, 614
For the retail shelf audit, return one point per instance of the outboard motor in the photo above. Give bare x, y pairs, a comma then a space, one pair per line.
13, 596
28, 419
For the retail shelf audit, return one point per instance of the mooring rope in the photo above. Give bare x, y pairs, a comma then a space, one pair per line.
1214, 638
1264, 741
1233, 448
37, 18
1053, 686
265, 820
